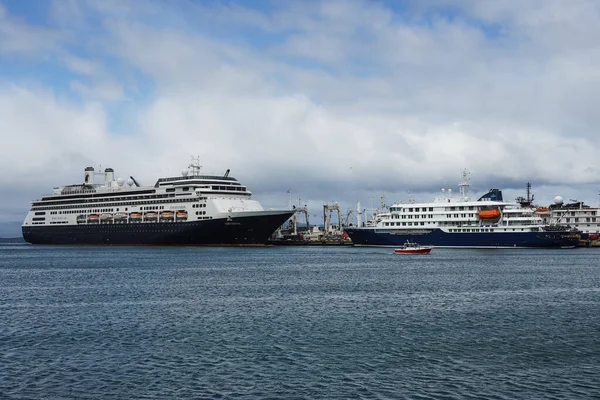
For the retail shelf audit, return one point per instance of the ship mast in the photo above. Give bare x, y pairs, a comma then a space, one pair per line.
526, 201
463, 186
195, 166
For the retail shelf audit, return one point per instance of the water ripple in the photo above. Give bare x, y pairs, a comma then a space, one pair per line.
317, 323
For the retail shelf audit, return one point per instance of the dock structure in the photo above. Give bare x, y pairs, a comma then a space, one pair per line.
327, 226
331, 234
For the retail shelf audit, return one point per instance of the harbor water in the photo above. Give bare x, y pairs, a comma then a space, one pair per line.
298, 323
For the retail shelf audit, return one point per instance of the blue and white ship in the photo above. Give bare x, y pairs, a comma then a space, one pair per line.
488, 222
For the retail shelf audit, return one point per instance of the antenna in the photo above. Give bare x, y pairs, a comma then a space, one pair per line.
526, 201
530, 196
195, 166
465, 184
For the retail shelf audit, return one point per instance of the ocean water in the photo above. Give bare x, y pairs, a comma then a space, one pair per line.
298, 323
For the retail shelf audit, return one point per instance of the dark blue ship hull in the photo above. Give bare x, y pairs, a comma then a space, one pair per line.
241, 231
439, 238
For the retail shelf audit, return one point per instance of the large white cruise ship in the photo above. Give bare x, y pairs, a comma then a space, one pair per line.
191, 209
461, 222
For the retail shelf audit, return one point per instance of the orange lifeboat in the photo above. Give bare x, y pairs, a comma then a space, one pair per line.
542, 210
489, 214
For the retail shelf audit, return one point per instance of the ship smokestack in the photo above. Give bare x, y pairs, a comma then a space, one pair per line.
88, 176
109, 175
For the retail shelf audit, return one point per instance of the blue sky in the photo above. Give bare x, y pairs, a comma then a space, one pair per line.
339, 100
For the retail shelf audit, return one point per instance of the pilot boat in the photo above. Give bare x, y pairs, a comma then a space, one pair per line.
413, 248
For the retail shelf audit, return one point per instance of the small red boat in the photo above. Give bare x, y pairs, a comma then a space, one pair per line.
413, 248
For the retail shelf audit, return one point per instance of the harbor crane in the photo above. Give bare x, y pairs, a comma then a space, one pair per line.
326, 218
301, 210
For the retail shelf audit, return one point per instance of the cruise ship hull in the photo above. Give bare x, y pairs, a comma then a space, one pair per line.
439, 238
239, 229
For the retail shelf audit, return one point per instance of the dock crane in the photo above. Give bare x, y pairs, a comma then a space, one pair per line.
301, 210
326, 218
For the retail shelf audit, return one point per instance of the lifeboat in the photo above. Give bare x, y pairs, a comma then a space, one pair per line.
105, 216
181, 214
167, 214
93, 217
135, 215
542, 210
120, 216
489, 214
151, 214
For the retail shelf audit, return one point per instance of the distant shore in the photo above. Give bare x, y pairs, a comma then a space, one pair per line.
13, 240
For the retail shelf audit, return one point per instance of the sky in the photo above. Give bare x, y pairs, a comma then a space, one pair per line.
336, 100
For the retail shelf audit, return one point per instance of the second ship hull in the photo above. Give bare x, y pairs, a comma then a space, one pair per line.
241, 230
439, 238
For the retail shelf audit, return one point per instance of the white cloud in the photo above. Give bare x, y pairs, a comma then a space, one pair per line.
18, 38
81, 66
104, 91
347, 99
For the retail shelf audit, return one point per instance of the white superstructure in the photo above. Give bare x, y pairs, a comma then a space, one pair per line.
455, 214
572, 215
102, 199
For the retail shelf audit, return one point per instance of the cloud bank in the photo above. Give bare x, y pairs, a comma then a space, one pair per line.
335, 100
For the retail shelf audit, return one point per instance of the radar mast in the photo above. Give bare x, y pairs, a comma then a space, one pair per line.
464, 184
195, 166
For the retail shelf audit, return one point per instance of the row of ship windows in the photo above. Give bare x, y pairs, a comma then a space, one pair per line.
423, 209
430, 216
223, 188
493, 230
577, 220
236, 188
413, 209
103, 200
103, 210
405, 224
200, 212
573, 213
233, 188
80, 211
118, 204
198, 205
102, 227
422, 223
457, 230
